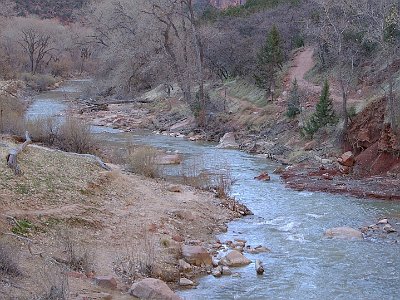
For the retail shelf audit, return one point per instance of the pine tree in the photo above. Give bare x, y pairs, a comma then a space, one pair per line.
324, 113
293, 101
270, 59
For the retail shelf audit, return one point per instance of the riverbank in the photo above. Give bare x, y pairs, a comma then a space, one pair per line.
308, 160
114, 224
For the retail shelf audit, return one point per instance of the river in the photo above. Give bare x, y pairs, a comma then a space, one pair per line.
302, 264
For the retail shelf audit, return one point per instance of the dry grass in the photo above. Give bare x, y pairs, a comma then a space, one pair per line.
134, 263
75, 136
142, 160
51, 282
8, 261
49, 178
11, 115
43, 130
78, 257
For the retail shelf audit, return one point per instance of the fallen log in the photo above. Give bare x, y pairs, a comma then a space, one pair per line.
259, 267
13, 155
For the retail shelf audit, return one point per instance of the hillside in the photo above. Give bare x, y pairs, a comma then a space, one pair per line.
47, 9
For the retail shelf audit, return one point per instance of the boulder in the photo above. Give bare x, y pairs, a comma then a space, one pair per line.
217, 272
310, 146
389, 229
185, 282
344, 233
235, 259
383, 221
184, 266
263, 177
226, 271
228, 141
153, 289
107, 282
196, 255
168, 159
347, 159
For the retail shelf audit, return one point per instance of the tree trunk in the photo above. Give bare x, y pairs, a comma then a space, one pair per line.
13, 154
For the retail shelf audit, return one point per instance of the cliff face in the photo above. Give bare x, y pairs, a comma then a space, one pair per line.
222, 4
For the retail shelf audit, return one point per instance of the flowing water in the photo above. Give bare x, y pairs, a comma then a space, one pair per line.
302, 264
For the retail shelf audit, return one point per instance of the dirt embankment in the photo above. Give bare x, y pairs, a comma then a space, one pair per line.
111, 223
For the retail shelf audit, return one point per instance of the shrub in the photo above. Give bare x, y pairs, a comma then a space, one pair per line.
323, 115
293, 102
76, 136
38, 82
78, 257
43, 130
11, 115
142, 160
8, 266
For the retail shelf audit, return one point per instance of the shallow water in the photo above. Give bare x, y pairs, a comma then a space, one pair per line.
302, 264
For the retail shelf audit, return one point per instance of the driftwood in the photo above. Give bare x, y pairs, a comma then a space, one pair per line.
96, 159
259, 267
13, 155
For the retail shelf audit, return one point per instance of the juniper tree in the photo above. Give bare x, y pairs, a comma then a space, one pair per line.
270, 59
324, 113
293, 102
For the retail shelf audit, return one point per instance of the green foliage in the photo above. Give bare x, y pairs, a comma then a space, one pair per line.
323, 115
22, 227
270, 59
293, 102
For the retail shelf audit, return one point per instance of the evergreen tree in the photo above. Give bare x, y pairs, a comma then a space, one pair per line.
324, 113
293, 102
270, 59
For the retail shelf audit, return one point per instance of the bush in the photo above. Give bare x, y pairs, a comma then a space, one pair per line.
12, 119
43, 130
38, 82
142, 160
293, 102
7, 264
76, 136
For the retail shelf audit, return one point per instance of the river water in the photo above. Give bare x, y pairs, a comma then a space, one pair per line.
302, 264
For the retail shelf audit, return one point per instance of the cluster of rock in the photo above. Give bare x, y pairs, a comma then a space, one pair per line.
382, 230
346, 161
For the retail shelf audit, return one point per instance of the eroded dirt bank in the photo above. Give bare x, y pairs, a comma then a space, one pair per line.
92, 222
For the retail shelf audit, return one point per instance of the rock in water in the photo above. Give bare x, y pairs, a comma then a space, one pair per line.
235, 259
196, 255
259, 267
228, 141
185, 282
343, 233
152, 289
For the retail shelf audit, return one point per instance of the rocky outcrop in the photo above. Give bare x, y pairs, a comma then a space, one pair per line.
152, 289
343, 233
196, 255
228, 141
235, 259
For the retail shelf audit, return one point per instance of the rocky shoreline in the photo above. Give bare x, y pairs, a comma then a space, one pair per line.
324, 175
